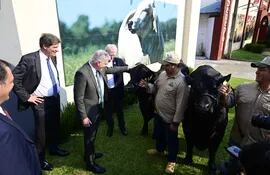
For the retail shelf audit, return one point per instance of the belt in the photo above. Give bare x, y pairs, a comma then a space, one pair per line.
51, 97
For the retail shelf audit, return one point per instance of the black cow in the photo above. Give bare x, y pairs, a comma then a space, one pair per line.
146, 100
205, 118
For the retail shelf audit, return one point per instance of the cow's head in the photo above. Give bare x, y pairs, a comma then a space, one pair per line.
143, 20
204, 94
140, 72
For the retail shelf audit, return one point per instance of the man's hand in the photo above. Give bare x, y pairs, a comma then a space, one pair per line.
174, 127
35, 99
86, 122
225, 89
143, 84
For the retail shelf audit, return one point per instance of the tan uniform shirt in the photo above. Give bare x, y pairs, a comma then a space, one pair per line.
171, 98
249, 101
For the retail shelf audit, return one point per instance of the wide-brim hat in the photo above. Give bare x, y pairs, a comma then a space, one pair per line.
261, 64
171, 58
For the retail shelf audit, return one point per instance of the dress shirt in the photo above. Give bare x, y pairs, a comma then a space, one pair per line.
2, 111
45, 87
101, 82
110, 77
171, 98
249, 100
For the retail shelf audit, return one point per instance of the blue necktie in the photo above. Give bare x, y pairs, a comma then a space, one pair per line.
52, 77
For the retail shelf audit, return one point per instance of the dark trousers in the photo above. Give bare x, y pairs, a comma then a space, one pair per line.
47, 124
89, 142
165, 137
115, 104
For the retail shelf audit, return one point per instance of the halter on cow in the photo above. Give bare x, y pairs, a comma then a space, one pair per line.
140, 38
205, 118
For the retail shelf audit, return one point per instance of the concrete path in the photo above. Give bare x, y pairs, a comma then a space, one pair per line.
239, 69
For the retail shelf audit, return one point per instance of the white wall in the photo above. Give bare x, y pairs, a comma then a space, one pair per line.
10, 49
205, 34
22, 24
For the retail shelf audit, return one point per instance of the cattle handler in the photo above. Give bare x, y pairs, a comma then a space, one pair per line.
171, 99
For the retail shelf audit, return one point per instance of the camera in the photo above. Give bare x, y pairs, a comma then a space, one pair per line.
261, 121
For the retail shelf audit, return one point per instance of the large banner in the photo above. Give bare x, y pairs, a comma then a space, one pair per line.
142, 30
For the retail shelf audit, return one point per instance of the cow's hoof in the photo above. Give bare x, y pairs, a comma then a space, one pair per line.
188, 161
212, 172
212, 169
144, 132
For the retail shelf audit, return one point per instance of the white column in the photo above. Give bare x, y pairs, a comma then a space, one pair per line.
191, 24
180, 27
21, 28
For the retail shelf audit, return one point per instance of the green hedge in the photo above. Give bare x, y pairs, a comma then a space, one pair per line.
256, 48
69, 121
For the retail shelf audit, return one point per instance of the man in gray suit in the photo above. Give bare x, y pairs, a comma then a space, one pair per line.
90, 92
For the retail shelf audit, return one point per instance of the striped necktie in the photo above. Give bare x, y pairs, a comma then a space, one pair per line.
100, 99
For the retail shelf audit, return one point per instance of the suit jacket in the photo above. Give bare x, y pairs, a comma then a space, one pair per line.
27, 75
86, 92
118, 77
17, 151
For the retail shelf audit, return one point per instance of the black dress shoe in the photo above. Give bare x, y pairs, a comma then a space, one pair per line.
95, 168
45, 165
124, 132
109, 133
59, 152
98, 155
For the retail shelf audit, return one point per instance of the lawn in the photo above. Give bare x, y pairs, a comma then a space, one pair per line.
126, 155
243, 55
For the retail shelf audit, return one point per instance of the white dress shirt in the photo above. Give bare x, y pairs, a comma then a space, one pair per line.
45, 87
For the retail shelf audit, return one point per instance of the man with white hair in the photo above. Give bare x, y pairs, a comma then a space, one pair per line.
90, 93
115, 93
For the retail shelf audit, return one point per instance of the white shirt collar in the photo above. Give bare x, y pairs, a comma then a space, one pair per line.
2, 111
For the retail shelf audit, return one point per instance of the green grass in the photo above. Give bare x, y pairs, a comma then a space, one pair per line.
126, 155
244, 55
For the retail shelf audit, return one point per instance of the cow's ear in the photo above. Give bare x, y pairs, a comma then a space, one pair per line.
224, 78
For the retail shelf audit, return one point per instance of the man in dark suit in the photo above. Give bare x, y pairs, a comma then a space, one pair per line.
17, 150
115, 93
36, 85
90, 92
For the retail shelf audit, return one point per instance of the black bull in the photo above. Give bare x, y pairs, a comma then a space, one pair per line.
146, 100
205, 119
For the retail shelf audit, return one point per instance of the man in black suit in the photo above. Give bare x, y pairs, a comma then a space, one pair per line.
90, 92
37, 85
17, 150
115, 93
